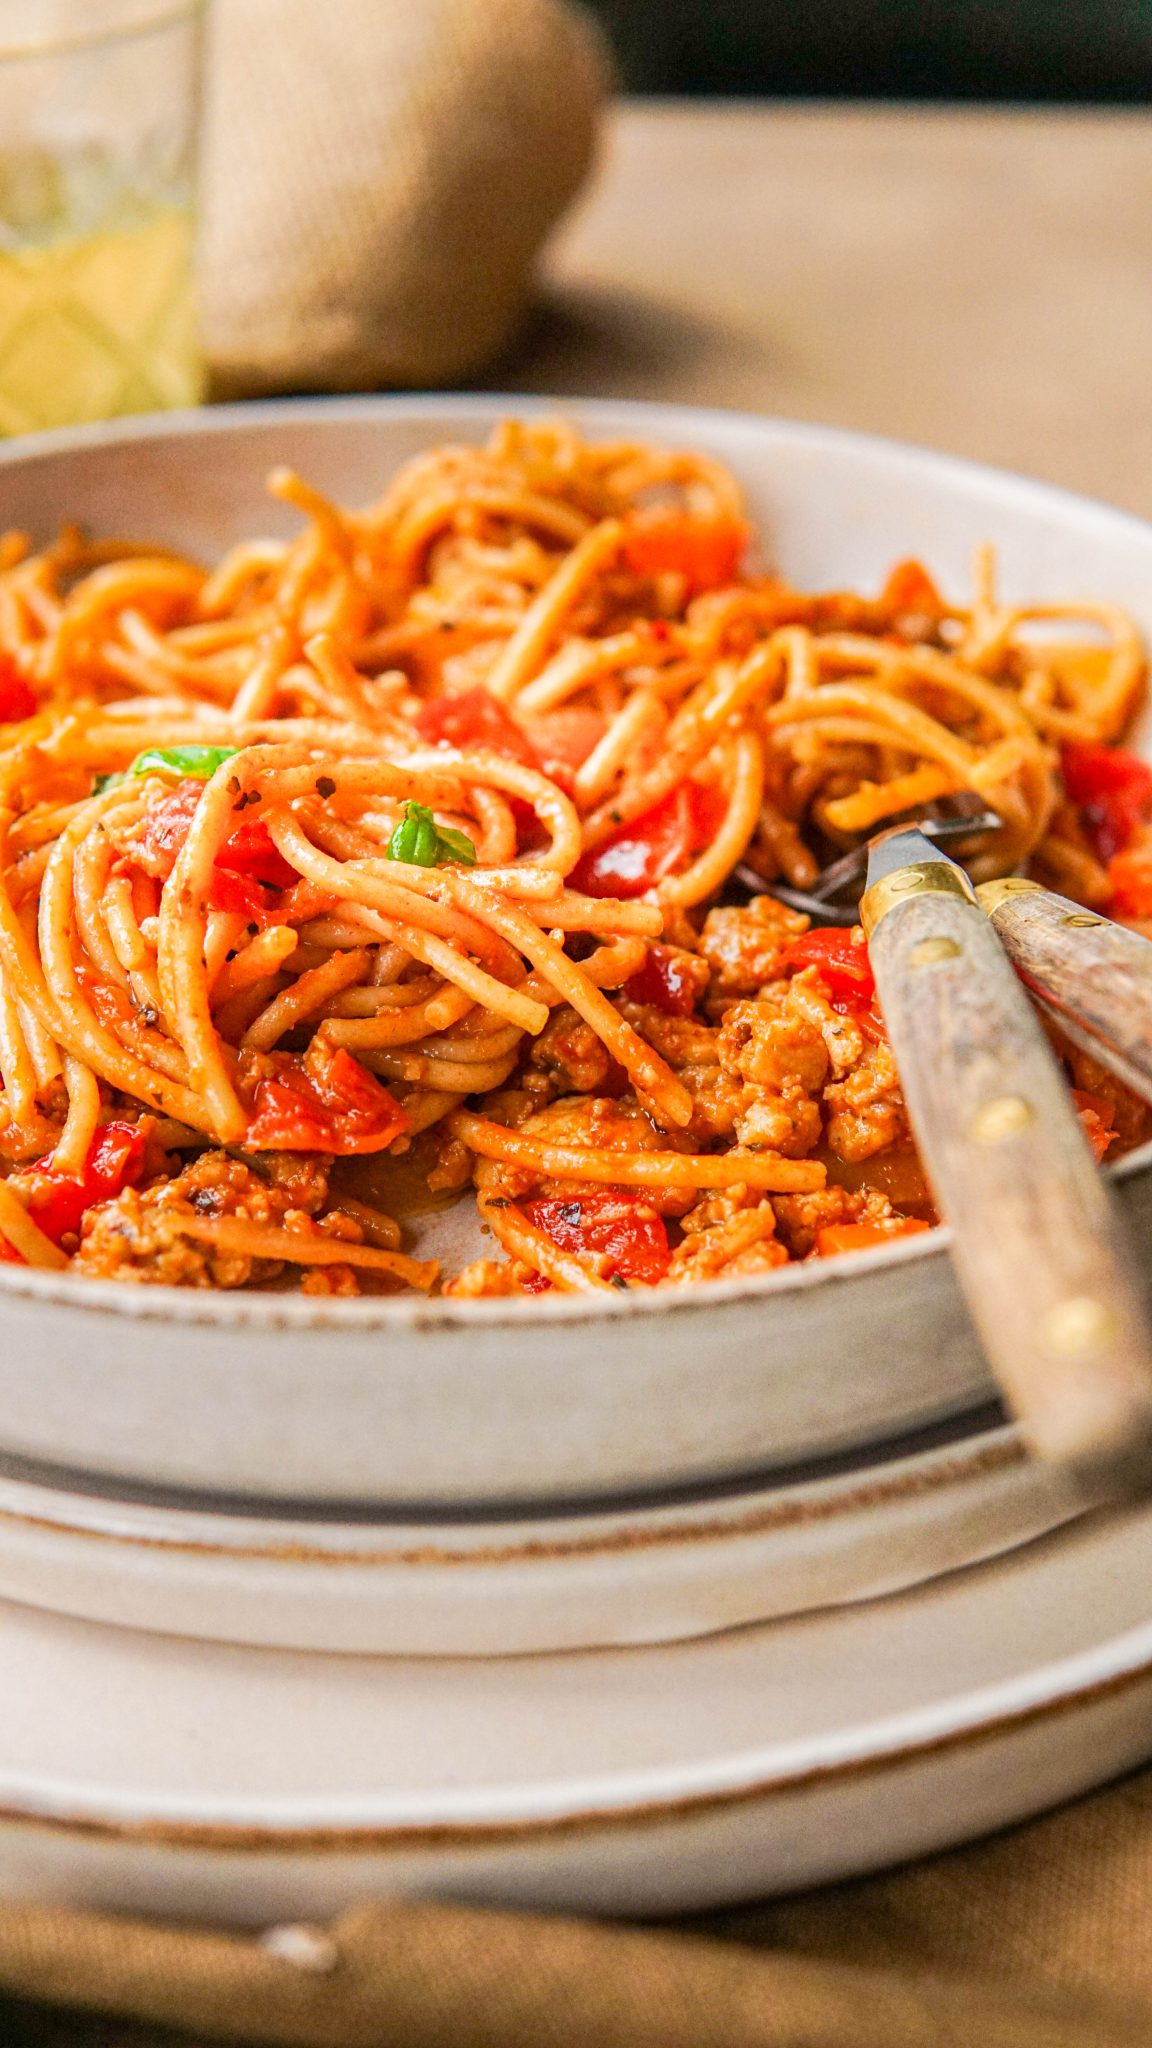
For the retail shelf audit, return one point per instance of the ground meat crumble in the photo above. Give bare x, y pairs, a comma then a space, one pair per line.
142, 1236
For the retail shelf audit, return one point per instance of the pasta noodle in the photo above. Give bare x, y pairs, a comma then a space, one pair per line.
398, 856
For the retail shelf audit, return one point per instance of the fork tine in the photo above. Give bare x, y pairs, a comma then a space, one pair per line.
795, 899
955, 819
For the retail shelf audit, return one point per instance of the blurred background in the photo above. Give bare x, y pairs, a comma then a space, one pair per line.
924, 218
1053, 50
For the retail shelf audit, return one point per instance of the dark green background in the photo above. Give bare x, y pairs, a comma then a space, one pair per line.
927, 49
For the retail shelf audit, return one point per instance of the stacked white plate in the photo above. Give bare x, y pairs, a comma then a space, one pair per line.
634, 1604
675, 1762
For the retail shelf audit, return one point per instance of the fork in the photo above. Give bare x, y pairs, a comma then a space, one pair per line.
959, 822
1038, 1245
1092, 977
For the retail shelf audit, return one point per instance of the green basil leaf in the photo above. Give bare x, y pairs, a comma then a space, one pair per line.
197, 763
422, 843
458, 845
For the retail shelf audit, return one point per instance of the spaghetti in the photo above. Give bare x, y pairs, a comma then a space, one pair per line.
395, 854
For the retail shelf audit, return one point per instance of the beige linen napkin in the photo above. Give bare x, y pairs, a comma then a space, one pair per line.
377, 178
1040, 1938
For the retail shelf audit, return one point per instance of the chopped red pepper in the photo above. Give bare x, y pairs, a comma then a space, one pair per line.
17, 698
115, 1161
563, 739
555, 742
1112, 789
858, 1237
704, 548
332, 1104
1130, 878
246, 867
910, 588
640, 854
665, 981
1097, 1120
249, 851
623, 1233
474, 718
230, 891
840, 957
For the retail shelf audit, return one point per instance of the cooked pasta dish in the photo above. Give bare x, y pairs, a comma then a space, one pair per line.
393, 865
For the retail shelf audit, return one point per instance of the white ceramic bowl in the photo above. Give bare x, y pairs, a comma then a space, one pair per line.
413, 1401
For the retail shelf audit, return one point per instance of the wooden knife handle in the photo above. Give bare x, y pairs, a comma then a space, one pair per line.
1038, 1246
1094, 976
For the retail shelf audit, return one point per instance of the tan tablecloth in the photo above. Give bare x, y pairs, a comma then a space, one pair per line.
977, 281
980, 281
1041, 1938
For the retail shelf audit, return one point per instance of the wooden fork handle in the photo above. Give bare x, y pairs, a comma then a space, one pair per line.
1093, 976
1038, 1246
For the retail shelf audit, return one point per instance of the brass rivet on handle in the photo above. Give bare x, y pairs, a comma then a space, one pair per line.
1082, 920
990, 895
1079, 1324
1001, 1118
929, 951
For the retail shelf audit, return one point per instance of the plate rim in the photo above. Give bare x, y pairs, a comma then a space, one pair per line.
1059, 1687
548, 1537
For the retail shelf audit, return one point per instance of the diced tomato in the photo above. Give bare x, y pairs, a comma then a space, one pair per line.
1130, 879
9, 1256
58, 1203
474, 718
1112, 790
232, 892
249, 851
665, 981
858, 1237
622, 1232
705, 549
556, 742
840, 957
563, 739
247, 865
164, 828
910, 588
640, 854
535, 1283
331, 1105
1096, 1120
17, 698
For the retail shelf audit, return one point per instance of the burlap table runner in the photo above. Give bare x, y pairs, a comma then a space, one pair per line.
377, 178
1039, 1938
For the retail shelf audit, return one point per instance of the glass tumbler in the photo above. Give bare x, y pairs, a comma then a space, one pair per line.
99, 103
